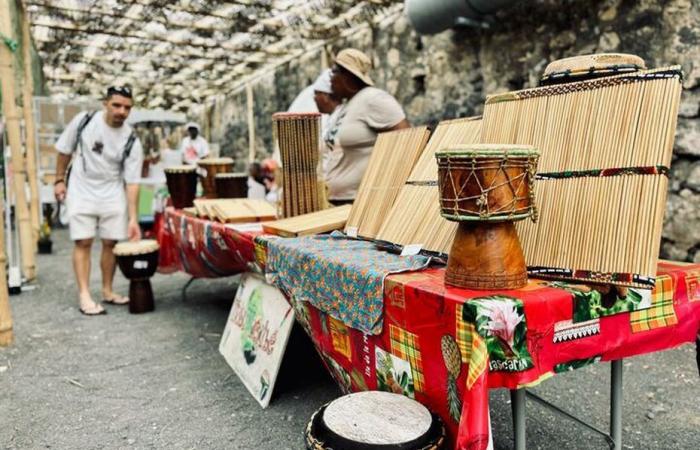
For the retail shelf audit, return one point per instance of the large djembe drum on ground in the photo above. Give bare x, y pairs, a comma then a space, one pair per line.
486, 187
182, 185
374, 420
138, 262
588, 67
208, 169
231, 185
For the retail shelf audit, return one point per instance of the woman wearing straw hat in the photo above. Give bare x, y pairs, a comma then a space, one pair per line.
367, 111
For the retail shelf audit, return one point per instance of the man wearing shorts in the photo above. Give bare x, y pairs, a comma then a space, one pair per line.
102, 189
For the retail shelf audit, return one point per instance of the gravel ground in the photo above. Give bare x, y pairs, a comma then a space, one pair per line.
157, 380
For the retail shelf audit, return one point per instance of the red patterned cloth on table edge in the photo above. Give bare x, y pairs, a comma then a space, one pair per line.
446, 346
202, 248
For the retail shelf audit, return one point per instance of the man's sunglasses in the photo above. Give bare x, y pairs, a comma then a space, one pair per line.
124, 91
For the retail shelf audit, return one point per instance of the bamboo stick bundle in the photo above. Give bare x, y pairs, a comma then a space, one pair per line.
415, 217
313, 223
606, 146
9, 109
30, 147
393, 157
297, 135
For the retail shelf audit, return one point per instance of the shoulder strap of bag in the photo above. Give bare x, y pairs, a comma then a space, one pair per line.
127, 148
81, 127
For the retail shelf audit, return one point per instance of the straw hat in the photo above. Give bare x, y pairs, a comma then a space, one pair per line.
355, 62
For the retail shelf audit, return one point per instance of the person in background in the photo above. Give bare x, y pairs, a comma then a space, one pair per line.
194, 147
367, 111
102, 190
327, 104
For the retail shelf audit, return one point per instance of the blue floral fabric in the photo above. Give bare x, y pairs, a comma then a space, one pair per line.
340, 276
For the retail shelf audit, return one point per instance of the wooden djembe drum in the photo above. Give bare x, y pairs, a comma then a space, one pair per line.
208, 169
182, 185
138, 262
374, 420
231, 185
588, 67
487, 187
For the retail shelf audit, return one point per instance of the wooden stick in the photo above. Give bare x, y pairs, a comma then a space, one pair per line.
29, 129
7, 80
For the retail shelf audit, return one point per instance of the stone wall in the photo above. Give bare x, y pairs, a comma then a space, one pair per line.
449, 75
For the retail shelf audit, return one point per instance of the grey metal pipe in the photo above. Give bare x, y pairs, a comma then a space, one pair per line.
434, 16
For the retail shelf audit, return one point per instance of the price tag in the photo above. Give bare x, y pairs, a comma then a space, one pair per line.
351, 232
140, 264
411, 249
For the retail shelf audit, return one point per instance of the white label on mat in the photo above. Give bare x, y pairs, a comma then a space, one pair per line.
351, 232
411, 249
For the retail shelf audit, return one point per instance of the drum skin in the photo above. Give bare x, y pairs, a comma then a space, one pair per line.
319, 437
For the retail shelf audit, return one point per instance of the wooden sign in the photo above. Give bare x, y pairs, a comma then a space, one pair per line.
256, 335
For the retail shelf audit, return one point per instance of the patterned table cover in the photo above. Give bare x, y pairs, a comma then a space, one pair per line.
446, 347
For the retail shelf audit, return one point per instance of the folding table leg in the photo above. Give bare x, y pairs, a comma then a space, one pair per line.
517, 404
616, 404
184, 288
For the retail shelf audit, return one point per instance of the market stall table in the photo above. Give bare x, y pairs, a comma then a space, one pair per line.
447, 346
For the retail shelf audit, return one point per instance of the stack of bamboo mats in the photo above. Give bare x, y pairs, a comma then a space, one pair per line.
307, 224
415, 217
393, 157
605, 148
234, 210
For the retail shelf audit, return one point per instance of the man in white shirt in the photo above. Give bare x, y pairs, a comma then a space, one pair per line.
194, 147
102, 190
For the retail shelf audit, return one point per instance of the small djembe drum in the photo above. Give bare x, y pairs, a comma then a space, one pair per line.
138, 262
231, 185
486, 187
588, 67
374, 420
182, 185
208, 169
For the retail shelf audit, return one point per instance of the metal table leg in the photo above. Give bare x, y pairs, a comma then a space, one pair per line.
184, 288
616, 404
517, 404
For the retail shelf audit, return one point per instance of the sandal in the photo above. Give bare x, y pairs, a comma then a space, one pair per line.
99, 312
116, 300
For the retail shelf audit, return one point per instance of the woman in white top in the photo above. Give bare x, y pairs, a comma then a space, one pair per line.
367, 111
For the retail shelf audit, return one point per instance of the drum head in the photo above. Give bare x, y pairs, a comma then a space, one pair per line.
141, 247
578, 68
377, 418
214, 161
232, 175
180, 169
487, 151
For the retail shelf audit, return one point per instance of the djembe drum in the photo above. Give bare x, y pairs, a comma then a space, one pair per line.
374, 420
486, 187
182, 185
588, 67
208, 168
231, 185
138, 262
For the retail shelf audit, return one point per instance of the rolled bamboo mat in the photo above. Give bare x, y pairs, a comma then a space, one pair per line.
393, 157
605, 146
307, 224
415, 217
298, 135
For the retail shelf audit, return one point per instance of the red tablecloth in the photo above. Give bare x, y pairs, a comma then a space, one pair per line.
202, 248
446, 346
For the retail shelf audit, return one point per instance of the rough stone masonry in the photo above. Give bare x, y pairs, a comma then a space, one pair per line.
450, 74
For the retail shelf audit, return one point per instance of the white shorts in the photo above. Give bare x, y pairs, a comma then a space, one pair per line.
86, 218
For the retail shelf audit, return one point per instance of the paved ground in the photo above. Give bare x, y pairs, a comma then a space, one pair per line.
157, 381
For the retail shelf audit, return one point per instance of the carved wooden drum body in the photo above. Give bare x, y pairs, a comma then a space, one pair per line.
231, 185
182, 185
486, 187
138, 262
374, 420
208, 169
